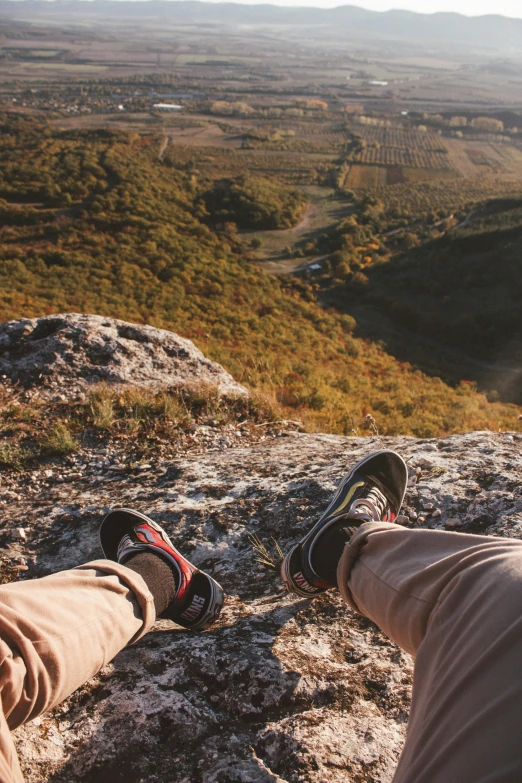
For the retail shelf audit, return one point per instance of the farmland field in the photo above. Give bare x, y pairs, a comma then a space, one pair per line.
474, 157
422, 175
366, 176
396, 156
398, 146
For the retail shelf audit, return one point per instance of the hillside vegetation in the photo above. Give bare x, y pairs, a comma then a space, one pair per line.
94, 222
462, 291
254, 202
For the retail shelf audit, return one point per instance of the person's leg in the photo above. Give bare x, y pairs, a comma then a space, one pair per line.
56, 633
59, 631
454, 601
10, 771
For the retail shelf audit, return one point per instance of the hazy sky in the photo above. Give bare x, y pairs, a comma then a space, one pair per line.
469, 7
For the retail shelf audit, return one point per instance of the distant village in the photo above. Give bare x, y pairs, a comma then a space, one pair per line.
68, 99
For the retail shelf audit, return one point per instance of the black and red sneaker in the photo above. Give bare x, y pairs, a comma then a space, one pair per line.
199, 598
373, 491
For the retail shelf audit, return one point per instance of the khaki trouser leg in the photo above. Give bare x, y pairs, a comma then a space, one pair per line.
56, 633
454, 601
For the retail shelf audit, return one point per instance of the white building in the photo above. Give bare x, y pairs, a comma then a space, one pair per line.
167, 106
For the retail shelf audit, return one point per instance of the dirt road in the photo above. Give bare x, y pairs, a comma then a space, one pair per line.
163, 148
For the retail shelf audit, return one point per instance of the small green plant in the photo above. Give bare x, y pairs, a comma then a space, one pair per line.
59, 440
11, 457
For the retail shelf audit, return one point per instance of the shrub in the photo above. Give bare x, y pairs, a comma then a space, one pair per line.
12, 457
59, 440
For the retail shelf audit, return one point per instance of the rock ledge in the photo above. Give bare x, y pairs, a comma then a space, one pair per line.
282, 689
67, 353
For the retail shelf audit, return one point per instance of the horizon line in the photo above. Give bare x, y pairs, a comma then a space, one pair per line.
255, 4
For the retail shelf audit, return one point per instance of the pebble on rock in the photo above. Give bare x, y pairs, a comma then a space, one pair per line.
453, 522
19, 533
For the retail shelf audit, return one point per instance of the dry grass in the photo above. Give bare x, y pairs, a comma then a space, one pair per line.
142, 417
102, 408
272, 558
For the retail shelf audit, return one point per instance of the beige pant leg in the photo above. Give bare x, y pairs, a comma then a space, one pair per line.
56, 633
10, 771
454, 601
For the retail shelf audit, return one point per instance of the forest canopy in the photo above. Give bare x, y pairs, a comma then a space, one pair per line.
254, 203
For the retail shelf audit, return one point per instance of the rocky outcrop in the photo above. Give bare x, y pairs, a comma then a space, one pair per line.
282, 689
63, 354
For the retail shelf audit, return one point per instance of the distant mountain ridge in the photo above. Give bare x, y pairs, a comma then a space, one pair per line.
485, 32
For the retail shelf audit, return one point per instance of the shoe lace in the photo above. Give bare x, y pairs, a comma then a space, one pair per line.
370, 508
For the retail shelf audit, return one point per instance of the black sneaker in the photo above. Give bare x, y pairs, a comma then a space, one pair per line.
199, 598
373, 491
